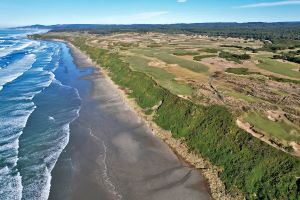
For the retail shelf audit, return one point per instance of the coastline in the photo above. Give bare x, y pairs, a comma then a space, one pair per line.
210, 172
111, 152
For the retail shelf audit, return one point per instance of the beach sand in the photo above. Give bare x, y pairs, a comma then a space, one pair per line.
113, 153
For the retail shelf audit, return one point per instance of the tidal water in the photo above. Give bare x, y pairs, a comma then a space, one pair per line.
36, 110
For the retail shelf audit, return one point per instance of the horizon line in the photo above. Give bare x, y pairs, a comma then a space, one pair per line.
266, 22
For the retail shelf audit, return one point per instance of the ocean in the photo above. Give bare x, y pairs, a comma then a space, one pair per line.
37, 106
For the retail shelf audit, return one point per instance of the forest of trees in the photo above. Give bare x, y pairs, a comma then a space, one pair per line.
256, 30
276, 36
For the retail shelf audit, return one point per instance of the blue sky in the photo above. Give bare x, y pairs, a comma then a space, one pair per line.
27, 12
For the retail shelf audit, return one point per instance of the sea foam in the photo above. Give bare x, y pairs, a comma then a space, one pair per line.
32, 139
16, 69
17, 47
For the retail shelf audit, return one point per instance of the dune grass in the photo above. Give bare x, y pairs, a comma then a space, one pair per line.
183, 52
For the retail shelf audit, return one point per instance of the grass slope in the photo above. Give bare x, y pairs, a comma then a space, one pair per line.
276, 129
279, 67
163, 77
171, 59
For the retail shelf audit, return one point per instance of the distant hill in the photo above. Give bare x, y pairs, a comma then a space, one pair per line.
257, 30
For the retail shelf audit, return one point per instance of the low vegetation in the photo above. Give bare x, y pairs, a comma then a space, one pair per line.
253, 50
274, 129
163, 77
210, 50
284, 80
281, 44
292, 56
276, 32
171, 59
257, 169
185, 53
277, 67
234, 57
245, 71
199, 58
238, 71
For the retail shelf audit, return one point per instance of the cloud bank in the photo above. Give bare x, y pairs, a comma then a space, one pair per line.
271, 4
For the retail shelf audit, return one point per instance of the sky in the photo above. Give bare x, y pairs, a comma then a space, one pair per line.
28, 12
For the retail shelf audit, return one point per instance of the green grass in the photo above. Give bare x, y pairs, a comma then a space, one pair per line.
278, 67
232, 46
209, 50
278, 129
171, 59
242, 96
238, 71
234, 57
182, 52
284, 80
199, 58
280, 92
281, 44
245, 71
164, 78
154, 45
125, 45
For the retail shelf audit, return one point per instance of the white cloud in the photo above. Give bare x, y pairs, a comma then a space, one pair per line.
271, 4
181, 1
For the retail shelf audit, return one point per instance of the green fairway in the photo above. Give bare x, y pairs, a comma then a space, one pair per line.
279, 67
171, 59
183, 52
279, 130
163, 77
200, 57
209, 50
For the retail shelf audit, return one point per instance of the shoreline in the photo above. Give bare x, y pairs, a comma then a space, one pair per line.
210, 172
109, 124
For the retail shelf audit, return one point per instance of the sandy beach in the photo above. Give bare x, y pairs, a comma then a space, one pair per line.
210, 172
114, 154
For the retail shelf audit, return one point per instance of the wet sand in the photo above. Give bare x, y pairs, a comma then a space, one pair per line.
112, 153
